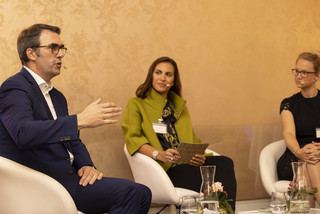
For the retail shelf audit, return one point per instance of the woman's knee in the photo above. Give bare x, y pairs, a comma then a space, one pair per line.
220, 160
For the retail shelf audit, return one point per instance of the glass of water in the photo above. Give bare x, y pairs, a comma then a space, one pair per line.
189, 205
278, 203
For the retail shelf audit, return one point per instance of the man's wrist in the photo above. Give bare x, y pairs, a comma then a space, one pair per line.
80, 124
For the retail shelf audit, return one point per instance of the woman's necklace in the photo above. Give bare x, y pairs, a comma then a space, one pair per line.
310, 94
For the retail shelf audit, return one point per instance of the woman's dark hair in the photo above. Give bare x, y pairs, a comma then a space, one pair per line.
313, 57
144, 88
29, 38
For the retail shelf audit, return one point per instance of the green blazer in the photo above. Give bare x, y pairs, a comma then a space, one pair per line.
141, 113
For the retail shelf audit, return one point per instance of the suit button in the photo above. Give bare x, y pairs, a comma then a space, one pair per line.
67, 159
70, 172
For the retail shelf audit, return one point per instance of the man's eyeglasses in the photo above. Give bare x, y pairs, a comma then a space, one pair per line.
296, 72
55, 48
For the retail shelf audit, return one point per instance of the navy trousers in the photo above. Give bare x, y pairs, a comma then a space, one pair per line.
113, 196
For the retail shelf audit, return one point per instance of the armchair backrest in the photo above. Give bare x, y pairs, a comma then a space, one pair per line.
269, 157
24, 190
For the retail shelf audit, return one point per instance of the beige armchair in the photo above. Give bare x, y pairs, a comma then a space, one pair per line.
24, 190
269, 157
147, 171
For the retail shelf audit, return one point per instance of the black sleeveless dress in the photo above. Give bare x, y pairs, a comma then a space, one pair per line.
306, 114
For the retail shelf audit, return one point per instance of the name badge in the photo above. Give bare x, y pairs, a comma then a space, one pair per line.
159, 128
318, 132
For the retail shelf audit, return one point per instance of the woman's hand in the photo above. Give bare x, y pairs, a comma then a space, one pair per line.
316, 150
169, 156
309, 153
197, 160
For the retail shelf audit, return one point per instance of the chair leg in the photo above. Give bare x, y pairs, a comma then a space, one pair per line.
178, 209
162, 209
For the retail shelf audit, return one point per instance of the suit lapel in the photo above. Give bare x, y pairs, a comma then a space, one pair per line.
37, 91
55, 103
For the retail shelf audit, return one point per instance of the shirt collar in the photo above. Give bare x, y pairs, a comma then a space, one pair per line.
43, 85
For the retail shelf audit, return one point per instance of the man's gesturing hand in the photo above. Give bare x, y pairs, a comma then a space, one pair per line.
97, 114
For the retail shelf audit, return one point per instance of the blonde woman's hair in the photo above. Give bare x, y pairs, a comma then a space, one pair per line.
313, 57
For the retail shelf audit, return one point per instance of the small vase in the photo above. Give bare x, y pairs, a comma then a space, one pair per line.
208, 195
299, 202
223, 210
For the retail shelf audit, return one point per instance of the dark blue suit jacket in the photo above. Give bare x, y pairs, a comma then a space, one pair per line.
29, 134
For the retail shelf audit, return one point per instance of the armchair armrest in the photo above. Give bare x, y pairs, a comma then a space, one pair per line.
211, 151
147, 171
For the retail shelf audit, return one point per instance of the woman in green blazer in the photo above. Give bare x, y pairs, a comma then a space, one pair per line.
157, 120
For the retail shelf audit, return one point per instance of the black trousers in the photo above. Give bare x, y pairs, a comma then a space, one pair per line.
189, 177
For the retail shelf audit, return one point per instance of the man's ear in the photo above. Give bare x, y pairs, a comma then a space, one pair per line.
31, 54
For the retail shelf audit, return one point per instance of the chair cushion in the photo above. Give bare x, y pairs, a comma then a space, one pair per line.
186, 192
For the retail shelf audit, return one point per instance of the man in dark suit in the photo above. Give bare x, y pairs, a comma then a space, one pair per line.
37, 131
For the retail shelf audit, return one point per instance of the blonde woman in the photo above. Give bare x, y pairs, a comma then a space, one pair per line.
300, 116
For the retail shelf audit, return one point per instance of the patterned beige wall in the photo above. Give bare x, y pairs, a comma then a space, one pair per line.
234, 56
